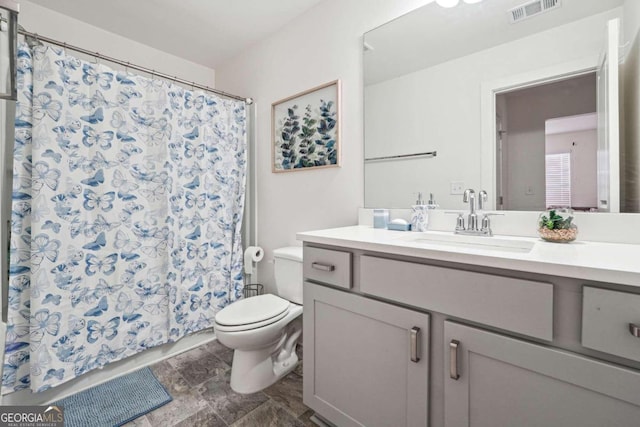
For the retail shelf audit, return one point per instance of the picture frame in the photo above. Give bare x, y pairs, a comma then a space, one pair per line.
305, 130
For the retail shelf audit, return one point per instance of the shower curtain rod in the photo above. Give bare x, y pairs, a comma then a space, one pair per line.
128, 65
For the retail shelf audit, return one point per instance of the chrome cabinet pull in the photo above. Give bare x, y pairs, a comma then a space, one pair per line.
414, 344
323, 267
453, 359
634, 329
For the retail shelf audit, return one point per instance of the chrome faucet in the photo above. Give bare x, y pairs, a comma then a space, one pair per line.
470, 197
475, 227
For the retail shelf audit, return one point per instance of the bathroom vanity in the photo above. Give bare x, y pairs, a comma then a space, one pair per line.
416, 329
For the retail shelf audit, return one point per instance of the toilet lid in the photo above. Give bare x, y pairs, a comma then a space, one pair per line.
293, 253
252, 310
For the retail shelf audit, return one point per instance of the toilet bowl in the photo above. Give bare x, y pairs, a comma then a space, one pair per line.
264, 330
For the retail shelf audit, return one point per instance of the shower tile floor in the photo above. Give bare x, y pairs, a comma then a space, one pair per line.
198, 380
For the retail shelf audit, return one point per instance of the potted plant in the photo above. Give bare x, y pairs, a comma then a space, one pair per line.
553, 227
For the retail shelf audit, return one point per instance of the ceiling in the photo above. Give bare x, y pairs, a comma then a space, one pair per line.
432, 34
205, 32
578, 123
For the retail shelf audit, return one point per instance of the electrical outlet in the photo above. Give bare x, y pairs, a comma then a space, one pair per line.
457, 187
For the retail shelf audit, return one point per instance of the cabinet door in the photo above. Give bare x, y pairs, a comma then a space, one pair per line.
505, 382
359, 365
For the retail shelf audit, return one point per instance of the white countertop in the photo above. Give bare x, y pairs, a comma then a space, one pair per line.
595, 261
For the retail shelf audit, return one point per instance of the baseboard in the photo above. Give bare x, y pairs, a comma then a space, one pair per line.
319, 421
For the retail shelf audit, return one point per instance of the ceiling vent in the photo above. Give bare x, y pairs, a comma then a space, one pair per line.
531, 9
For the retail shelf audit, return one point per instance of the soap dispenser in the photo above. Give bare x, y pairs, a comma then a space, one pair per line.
420, 215
432, 202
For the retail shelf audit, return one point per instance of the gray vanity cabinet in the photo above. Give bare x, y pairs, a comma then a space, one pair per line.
493, 380
505, 349
366, 362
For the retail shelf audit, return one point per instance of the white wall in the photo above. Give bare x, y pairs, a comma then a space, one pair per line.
583, 146
38, 19
526, 132
439, 109
631, 108
321, 45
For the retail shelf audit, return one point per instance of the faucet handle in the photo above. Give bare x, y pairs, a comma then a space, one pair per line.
486, 222
486, 225
460, 222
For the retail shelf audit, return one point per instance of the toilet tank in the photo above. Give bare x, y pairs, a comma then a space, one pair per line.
288, 273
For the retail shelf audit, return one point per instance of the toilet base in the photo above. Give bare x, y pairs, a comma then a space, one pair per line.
255, 370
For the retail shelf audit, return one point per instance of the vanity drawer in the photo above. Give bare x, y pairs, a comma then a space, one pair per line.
327, 266
607, 317
521, 306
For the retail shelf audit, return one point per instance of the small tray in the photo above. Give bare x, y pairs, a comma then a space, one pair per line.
399, 227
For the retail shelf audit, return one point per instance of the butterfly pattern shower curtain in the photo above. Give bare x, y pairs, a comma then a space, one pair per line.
127, 207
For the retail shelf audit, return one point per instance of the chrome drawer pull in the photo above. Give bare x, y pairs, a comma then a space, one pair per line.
634, 329
414, 340
453, 359
323, 267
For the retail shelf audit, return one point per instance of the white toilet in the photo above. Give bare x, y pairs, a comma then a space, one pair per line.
264, 330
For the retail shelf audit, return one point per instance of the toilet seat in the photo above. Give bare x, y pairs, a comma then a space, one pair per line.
247, 327
252, 313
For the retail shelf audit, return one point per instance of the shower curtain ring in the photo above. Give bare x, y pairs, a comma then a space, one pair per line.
126, 67
96, 56
64, 47
192, 86
153, 74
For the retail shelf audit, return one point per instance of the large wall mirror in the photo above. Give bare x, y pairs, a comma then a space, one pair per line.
537, 102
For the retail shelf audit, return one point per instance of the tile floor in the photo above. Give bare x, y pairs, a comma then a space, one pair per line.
198, 380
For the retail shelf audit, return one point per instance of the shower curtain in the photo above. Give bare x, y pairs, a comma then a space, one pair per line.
128, 197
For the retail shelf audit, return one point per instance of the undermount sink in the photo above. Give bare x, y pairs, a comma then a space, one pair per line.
476, 242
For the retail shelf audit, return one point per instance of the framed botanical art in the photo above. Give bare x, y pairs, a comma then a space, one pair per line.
306, 130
